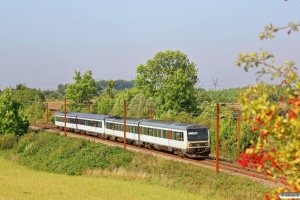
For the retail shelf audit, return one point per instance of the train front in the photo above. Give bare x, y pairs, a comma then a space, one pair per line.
198, 141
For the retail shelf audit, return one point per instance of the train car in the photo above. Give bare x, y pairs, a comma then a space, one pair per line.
81, 122
187, 140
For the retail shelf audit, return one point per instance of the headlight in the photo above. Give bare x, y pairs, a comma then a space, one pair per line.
206, 144
191, 144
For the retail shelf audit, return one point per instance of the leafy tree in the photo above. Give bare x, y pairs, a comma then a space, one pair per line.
28, 95
12, 119
119, 84
21, 86
140, 106
171, 76
122, 84
80, 93
111, 84
62, 89
277, 150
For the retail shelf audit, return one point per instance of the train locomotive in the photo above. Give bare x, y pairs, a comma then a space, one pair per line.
186, 140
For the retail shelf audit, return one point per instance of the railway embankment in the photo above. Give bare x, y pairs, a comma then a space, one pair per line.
72, 156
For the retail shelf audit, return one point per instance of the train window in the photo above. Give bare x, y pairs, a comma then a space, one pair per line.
133, 129
75, 121
173, 135
164, 134
160, 133
144, 131
150, 131
154, 132
181, 136
197, 134
177, 136
127, 128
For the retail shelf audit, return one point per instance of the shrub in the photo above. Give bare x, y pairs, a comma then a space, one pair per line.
7, 141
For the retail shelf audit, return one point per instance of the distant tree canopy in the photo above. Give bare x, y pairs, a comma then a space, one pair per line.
28, 95
80, 93
61, 88
12, 118
172, 77
119, 84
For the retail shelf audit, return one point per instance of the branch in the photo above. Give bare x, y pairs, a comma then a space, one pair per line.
269, 30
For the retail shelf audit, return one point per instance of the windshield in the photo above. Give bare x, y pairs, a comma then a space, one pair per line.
197, 134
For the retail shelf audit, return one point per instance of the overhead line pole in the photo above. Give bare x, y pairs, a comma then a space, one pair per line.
47, 113
124, 124
65, 117
217, 136
239, 132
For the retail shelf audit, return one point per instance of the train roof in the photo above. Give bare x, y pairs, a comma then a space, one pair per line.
134, 121
83, 115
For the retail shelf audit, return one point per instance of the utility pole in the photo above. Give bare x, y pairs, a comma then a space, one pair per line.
47, 114
65, 116
239, 131
217, 136
150, 112
124, 124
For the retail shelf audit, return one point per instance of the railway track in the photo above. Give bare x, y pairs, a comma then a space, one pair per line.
227, 166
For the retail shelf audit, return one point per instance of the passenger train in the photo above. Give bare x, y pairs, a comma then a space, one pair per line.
186, 140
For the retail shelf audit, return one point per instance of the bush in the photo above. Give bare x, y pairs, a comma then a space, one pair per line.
7, 141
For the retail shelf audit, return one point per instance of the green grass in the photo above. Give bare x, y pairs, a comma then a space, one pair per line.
18, 182
62, 155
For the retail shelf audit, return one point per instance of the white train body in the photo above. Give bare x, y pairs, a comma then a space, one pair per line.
180, 138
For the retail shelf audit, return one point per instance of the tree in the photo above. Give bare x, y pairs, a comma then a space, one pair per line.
12, 119
21, 86
172, 77
111, 84
277, 150
80, 93
62, 88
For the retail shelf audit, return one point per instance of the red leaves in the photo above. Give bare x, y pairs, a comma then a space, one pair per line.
264, 133
281, 99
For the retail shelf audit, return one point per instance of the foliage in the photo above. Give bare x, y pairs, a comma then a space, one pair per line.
110, 86
171, 76
80, 93
229, 95
277, 150
118, 108
28, 95
61, 88
58, 154
12, 119
140, 106
52, 95
7, 141
104, 104
119, 84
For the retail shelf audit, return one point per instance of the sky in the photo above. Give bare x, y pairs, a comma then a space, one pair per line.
43, 42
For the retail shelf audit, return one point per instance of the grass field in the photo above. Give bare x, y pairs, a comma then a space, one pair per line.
49, 166
18, 182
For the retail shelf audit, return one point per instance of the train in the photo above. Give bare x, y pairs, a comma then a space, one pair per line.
182, 139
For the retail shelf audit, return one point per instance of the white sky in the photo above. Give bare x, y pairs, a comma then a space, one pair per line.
43, 42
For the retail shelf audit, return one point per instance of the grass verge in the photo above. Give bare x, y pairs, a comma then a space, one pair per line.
58, 154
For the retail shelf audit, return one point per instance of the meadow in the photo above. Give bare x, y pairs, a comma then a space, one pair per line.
44, 166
